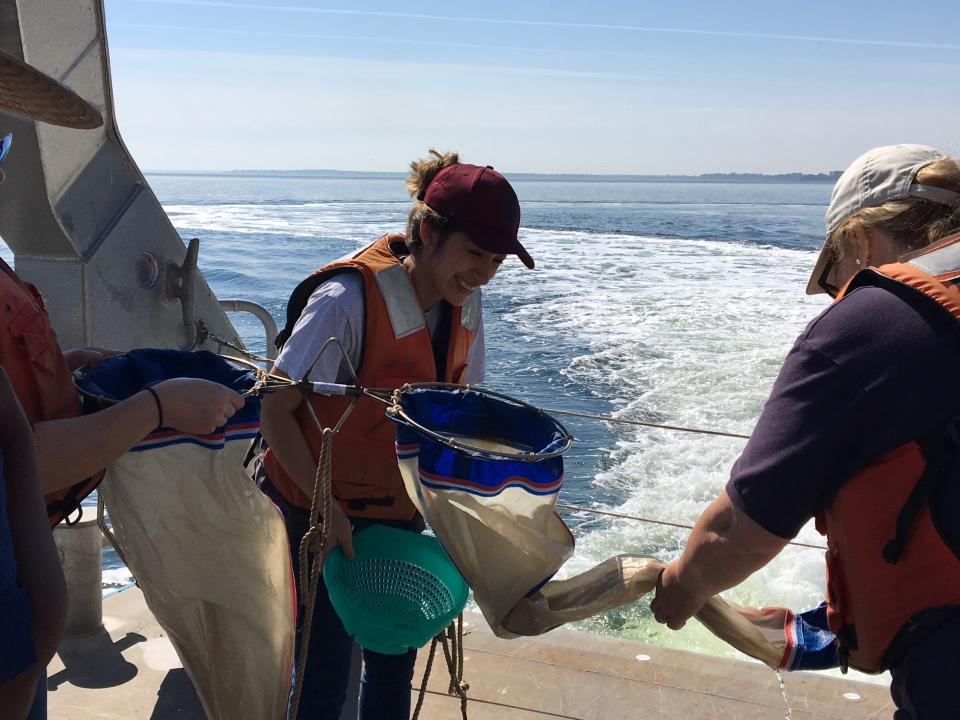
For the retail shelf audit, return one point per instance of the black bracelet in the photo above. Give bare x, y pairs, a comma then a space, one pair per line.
156, 399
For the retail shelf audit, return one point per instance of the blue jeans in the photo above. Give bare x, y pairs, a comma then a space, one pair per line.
386, 682
17, 653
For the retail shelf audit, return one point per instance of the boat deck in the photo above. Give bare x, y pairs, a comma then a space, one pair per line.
130, 671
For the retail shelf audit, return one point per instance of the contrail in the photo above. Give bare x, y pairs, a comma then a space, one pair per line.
556, 24
549, 72
321, 36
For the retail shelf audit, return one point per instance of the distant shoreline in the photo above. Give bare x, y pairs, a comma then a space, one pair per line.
751, 178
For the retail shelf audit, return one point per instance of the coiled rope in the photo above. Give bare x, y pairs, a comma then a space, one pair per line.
312, 547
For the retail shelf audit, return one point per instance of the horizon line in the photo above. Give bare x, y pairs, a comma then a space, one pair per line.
827, 174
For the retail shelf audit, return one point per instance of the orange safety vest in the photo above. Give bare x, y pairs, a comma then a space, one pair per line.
892, 578
397, 349
38, 373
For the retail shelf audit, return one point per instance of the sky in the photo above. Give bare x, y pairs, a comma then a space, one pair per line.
546, 86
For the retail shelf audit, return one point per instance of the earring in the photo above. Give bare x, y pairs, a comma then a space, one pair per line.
858, 261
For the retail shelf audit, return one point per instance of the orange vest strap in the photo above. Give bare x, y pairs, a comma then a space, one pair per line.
934, 448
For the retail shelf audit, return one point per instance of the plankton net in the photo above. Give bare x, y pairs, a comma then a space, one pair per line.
487, 486
485, 471
207, 548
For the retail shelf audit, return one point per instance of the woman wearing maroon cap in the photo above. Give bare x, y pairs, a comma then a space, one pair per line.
405, 309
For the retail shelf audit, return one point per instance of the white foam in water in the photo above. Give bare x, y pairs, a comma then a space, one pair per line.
304, 220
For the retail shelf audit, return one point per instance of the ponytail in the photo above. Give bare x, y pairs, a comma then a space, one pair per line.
422, 172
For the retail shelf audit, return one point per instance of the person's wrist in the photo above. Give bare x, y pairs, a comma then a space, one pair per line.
159, 405
678, 575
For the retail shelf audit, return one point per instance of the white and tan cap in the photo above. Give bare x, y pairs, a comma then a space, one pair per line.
877, 177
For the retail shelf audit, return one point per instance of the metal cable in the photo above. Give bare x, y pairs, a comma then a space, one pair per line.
206, 334
382, 394
579, 508
608, 418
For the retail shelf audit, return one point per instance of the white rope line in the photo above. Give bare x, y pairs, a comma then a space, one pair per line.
268, 381
206, 334
608, 418
580, 508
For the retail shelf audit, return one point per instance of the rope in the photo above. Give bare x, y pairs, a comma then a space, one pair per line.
426, 676
463, 685
206, 334
453, 654
608, 418
312, 545
268, 382
580, 508
452, 639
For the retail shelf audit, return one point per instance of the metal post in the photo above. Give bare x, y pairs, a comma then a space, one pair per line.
79, 547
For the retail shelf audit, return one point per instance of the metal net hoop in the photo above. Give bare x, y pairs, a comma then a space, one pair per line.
397, 412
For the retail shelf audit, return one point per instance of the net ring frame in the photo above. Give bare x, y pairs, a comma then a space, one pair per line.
395, 411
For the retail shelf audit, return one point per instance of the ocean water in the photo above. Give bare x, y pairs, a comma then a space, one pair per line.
664, 302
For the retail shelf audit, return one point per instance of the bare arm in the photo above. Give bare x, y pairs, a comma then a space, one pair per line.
73, 449
38, 568
724, 548
282, 432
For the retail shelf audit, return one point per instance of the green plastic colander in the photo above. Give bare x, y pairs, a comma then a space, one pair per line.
399, 590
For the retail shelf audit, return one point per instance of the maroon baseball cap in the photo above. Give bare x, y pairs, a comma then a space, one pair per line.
482, 204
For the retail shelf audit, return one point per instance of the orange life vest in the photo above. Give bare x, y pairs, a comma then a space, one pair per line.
891, 577
397, 349
38, 373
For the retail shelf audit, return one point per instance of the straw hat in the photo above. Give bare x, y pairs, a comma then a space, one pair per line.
26, 91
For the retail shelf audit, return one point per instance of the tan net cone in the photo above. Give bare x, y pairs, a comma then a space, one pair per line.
27, 91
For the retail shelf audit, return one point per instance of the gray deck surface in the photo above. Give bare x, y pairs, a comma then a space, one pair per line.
131, 672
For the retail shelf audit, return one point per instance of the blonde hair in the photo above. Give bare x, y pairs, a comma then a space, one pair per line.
422, 172
913, 223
